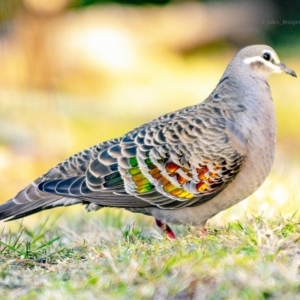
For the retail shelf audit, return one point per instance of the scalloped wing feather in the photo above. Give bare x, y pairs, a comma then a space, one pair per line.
179, 160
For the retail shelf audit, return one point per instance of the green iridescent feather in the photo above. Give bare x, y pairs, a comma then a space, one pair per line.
135, 172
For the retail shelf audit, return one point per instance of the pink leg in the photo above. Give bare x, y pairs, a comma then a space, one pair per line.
165, 229
199, 231
204, 231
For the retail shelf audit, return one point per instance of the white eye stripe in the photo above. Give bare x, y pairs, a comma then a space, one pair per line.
269, 64
253, 59
273, 56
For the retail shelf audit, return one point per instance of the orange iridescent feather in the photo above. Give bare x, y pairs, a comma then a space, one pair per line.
207, 176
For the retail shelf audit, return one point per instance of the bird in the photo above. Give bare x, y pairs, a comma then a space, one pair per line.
183, 167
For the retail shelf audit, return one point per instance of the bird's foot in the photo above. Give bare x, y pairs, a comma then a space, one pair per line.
199, 231
202, 232
166, 229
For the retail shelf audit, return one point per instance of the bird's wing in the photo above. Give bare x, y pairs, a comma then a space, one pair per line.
179, 160
182, 159
32, 199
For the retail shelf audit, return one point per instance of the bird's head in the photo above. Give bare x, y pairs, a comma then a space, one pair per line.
260, 61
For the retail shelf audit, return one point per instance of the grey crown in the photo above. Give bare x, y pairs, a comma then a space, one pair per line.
183, 167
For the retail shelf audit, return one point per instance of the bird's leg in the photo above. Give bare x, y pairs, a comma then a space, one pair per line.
165, 229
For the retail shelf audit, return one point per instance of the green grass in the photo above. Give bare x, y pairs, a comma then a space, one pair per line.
251, 259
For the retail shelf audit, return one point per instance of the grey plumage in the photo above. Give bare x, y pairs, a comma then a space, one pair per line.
183, 167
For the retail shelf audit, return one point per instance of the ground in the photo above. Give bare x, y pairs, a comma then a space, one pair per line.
255, 259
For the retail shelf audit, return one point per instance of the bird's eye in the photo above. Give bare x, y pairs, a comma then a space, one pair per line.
267, 56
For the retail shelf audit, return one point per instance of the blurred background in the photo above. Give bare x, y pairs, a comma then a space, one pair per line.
78, 72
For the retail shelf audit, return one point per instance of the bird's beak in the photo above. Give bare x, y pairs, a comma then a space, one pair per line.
287, 70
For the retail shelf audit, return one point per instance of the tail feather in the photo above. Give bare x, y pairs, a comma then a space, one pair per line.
25, 214
13, 209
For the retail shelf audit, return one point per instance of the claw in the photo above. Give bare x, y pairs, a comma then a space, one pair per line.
165, 229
